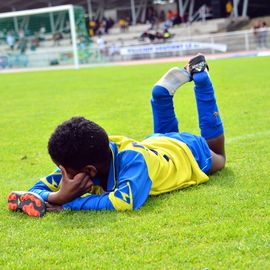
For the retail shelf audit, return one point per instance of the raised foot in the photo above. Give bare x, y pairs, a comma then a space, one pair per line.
197, 64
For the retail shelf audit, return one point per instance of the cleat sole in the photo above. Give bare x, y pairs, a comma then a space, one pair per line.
27, 202
197, 64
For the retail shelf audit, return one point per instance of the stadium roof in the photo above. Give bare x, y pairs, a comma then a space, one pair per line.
256, 8
7, 6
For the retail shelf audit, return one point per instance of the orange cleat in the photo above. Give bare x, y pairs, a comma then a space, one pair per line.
28, 202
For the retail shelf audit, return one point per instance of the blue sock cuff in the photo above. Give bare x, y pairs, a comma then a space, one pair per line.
212, 132
202, 79
159, 92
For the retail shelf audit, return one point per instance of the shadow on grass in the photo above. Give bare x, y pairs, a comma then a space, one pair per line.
225, 177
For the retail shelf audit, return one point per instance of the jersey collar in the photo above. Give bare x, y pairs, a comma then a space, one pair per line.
111, 182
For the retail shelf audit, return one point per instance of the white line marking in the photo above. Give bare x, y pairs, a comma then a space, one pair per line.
248, 136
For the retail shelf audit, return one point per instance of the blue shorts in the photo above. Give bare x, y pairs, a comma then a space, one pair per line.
197, 145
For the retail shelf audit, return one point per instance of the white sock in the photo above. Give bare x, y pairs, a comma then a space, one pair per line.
173, 79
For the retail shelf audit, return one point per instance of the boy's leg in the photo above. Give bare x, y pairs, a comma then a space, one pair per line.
209, 118
163, 91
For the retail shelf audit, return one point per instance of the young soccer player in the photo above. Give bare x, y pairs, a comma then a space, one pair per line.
118, 173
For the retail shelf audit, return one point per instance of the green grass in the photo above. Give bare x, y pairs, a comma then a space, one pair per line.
223, 224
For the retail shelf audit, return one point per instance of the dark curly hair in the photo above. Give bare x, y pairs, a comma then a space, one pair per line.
79, 142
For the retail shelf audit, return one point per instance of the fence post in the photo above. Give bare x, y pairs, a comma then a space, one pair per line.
212, 42
246, 41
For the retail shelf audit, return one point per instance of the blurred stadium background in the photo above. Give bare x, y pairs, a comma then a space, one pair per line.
66, 33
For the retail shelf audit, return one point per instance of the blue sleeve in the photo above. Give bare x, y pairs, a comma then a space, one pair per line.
133, 187
90, 202
50, 183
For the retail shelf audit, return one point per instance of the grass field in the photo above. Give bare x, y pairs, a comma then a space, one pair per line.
223, 224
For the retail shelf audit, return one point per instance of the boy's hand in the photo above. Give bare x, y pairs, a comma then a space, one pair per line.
52, 207
71, 188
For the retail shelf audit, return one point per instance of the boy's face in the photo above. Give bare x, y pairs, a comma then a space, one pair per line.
76, 183
88, 170
71, 173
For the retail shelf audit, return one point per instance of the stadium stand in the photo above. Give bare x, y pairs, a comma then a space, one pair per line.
159, 24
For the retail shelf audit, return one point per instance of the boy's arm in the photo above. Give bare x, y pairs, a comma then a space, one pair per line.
57, 188
71, 188
133, 187
48, 184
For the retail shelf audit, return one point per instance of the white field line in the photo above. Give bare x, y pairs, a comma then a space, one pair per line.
248, 136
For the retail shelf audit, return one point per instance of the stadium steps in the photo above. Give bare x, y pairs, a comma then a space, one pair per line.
134, 32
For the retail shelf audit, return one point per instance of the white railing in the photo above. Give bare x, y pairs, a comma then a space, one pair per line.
201, 14
211, 43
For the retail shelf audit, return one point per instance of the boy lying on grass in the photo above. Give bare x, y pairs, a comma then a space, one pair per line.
98, 172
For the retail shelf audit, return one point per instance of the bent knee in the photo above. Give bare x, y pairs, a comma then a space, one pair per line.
218, 162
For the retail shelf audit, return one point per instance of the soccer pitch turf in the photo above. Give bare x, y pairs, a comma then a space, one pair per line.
223, 224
